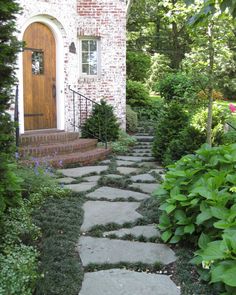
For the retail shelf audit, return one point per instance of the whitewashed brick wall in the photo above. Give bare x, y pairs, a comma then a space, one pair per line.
105, 19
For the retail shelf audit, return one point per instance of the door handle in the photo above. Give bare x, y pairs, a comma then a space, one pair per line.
54, 91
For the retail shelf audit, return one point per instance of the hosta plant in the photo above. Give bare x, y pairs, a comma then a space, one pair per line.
198, 203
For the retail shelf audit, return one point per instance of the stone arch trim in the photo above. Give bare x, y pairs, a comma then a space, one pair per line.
59, 34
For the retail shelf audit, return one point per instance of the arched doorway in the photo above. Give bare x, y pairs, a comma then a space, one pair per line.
39, 75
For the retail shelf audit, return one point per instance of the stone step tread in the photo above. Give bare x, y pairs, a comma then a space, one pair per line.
105, 251
126, 282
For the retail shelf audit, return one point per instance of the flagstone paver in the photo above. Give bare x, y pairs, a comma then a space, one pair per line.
135, 159
143, 178
145, 187
106, 251
65, 180
82, 171
103, 213
93, 178
147, 231
125, 163
81, 187
111, 193
116, 176
126, 282
127, 170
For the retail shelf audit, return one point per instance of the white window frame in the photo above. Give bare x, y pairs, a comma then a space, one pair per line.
98, 56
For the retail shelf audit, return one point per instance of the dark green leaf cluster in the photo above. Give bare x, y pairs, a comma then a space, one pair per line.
102, 124
136, 94
198, 204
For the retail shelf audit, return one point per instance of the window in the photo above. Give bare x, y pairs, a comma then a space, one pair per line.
37, 63
89, 57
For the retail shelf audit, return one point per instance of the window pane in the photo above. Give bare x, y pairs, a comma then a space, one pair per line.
85, 45
85, 57
93, 70
37, 63
85, 69
93, 58
93, 45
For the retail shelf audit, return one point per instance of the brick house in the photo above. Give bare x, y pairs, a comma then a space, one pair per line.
76, 43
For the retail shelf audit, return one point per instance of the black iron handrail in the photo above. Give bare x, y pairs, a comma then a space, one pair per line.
231, 125
85, 107
16, 116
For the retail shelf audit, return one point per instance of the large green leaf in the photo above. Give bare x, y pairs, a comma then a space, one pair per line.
202, 191
166, 235
229, 275
170, 208
203, 241
220, 212
215, 250
189, 229
205, 215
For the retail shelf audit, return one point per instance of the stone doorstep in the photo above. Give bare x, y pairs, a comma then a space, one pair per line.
78, 145
105, 251
126, 282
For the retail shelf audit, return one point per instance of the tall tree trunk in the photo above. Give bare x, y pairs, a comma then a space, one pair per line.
211, 54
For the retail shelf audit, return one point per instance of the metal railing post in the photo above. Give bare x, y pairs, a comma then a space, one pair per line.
16, 116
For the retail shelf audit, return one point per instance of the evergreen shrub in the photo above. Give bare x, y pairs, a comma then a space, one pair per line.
138, 65
102, 124
131, 120
9, 47
136, 94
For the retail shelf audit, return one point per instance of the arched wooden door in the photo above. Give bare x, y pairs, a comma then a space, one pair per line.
39, 64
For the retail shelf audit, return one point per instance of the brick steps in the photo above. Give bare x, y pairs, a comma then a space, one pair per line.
34, 139
60, 149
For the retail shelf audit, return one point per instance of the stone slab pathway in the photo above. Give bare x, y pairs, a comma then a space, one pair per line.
126, 282
119, 208
103, 213
106, 251
65, 180
111, 193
